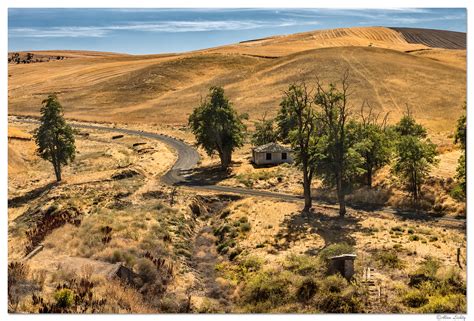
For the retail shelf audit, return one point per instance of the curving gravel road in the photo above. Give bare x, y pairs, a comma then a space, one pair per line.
188, 158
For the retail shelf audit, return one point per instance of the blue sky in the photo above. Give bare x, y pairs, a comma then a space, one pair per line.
143, 31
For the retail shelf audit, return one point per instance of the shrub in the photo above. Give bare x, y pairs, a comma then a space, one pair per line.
414, 237
389, 259
334, 284
335, 249
17, 271
302, 264
147, 270
307, 289
336, 303
425, 274
269, 287
64, 298
457, 192
245, 227
233, 254
453, 303
225, 213
429, 267
243, 219
418, 279
120, 256
397, 229
337, 296
414, 299
450, 281
251, 263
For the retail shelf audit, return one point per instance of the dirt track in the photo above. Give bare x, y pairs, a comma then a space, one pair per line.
188, 158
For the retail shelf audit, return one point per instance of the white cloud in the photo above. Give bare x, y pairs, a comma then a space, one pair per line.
165, 26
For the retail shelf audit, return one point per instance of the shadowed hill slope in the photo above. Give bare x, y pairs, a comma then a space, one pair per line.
434, 38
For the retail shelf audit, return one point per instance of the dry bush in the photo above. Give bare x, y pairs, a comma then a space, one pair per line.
389, 259
370, 197
18, 284
336, 295
122, 299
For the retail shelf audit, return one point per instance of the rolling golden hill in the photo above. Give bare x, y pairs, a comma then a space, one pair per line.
389, 68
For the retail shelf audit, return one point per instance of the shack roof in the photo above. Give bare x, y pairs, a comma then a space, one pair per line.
272, 148
343, 257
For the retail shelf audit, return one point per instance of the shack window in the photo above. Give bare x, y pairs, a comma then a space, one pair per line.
284, 156
269, 156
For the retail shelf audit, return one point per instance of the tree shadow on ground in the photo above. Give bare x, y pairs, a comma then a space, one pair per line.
207, 175
330, 227
365, 199
31, 195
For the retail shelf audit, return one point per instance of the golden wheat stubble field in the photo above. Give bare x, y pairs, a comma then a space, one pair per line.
386, 71
222, 251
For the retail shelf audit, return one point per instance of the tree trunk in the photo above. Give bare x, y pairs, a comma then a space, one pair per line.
226, 158
57, 171
341, 197
308, 202
369, 177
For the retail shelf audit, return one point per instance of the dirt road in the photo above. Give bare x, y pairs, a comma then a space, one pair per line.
188, 158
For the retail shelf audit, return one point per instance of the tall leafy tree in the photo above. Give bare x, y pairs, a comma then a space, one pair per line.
460, 139
415, 154
285, 120
54, 137
217, 127
372, 142
297, 108
265, 132
338, 161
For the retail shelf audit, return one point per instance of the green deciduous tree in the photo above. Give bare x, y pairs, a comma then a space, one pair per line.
285, 120
415, 154
460, 138
54, 137
297, 108
217, 127
338, 161
372, 142
265, 132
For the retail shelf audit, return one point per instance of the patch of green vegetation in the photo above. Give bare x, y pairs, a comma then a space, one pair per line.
307, 289
414, 237
227, 233
452, 303
415, 299
335, 249
302, 264
245, 227
389, 258
443, 290
249, 179
64, 298
397, 229
338, 296
266, 290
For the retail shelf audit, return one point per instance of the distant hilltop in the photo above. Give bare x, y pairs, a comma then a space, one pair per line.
434, 38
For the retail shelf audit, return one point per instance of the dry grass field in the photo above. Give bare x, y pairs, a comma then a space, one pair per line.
386, 70
192, 250
224, 251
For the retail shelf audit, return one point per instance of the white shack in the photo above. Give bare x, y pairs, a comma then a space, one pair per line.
271, 154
